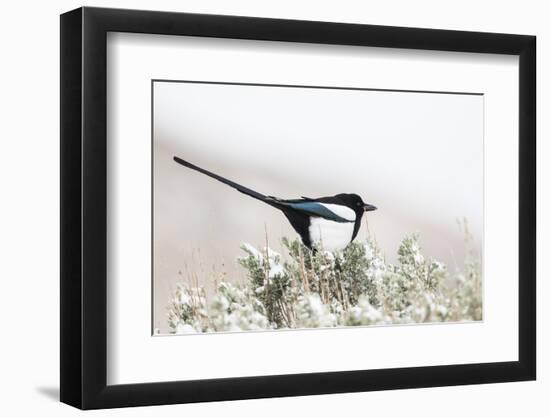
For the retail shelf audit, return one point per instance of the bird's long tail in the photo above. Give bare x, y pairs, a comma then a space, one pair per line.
254, 194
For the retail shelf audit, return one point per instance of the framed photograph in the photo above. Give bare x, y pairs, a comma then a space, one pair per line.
256, 208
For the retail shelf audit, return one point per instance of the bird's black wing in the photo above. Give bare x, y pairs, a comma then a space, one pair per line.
254, 194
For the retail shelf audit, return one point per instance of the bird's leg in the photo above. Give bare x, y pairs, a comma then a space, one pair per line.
338, 270
303, 271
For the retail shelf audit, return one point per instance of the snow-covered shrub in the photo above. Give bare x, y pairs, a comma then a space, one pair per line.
231, 309
188, 311
234, 309
269, 282
311, 312
352, 287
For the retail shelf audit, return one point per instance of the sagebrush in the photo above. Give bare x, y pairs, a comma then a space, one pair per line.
353, 287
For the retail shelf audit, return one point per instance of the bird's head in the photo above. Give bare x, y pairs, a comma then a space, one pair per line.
355, 202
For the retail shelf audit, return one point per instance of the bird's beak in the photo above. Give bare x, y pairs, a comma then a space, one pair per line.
368, 207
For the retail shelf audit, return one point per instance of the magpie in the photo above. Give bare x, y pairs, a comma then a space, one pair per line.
330, 223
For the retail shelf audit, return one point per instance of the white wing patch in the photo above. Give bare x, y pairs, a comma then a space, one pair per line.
342, 211
330, 235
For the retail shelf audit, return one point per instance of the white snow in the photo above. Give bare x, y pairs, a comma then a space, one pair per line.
184, 329
255, 252
184, 298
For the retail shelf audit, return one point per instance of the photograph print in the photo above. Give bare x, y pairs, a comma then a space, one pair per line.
280, 207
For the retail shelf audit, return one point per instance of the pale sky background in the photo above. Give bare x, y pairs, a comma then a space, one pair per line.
418, 157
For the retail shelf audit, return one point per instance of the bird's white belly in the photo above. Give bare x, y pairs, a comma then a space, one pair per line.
330, 235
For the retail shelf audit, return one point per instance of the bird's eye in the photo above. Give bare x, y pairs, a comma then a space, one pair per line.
358, 204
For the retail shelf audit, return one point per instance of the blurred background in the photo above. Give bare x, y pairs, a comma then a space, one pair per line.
418, 157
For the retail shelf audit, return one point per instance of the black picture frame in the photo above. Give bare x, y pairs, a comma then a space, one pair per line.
84, 207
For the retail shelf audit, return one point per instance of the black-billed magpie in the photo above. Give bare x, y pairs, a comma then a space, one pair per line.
327, 222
